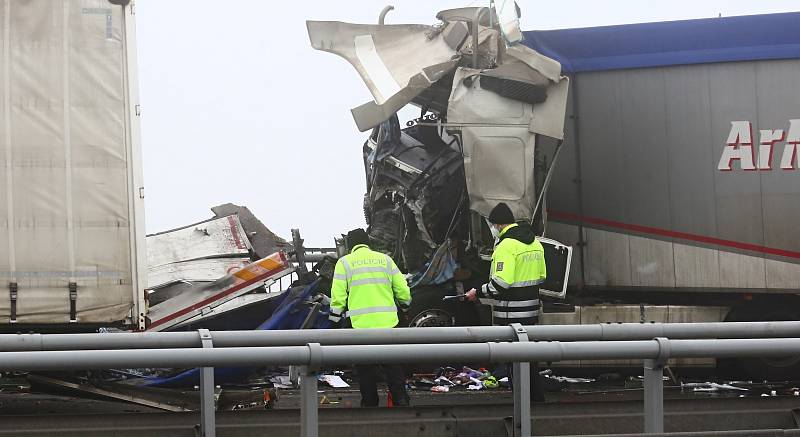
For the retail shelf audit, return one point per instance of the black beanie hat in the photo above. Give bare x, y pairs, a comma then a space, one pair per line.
501, 215
356, 237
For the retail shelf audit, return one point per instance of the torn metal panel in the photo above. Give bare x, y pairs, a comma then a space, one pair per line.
548, 67
396, 62
548, 116
508, 18
467, 15
212, 238
490, 48
204, 298
262, 241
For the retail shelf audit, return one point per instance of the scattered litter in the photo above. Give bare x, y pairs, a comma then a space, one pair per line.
475, 373
335, 381
569, 380
443, 381
324, 400
663, 378
475, 387
281, 381
491, 382
426, 381
445, 371
440, 389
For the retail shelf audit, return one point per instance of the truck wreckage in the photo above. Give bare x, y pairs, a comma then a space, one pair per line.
487, 106
492, 120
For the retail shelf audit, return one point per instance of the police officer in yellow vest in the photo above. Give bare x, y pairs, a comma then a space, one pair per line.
368, 288
518, 267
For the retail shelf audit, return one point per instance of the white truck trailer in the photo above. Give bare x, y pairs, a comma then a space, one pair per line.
71, 205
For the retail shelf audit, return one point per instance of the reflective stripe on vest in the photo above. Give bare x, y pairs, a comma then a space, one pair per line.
517, 303
365, 281
515, 314
369, 310
520, 284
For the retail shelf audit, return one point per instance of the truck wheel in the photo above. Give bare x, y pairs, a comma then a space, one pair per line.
428, 309
767, 368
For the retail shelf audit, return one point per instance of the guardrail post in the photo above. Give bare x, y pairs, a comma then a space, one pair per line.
208, 426
309, 414
521, 374
654, 389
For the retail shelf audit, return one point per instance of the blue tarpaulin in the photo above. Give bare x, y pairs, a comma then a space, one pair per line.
745, 38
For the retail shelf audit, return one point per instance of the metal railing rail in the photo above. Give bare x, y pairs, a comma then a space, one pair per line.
313, 356
475, 334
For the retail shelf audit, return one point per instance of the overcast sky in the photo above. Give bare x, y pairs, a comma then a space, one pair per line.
237, 106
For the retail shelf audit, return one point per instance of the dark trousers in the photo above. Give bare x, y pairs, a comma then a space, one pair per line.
368, 383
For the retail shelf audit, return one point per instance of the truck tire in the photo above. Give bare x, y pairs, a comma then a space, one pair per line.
428, 309
781, 368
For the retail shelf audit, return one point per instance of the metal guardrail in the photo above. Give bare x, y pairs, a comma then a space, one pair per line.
460, 334
434, 345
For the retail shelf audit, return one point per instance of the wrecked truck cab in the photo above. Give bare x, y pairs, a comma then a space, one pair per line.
487, 105
413, 191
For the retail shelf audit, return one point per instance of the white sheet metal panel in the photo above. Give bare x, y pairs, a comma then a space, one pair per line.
221, 237
66, 150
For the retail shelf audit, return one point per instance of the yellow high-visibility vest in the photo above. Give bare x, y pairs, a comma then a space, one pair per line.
365, 286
